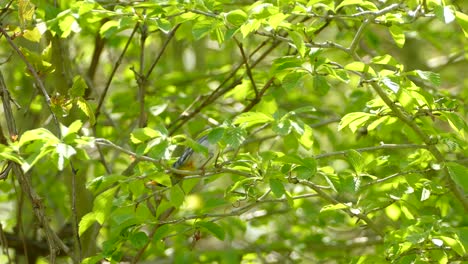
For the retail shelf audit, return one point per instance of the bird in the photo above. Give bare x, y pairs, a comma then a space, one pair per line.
190, 160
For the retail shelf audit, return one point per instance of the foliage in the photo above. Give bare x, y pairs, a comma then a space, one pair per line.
342, 126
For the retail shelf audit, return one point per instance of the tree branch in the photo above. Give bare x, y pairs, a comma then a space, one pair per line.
38, 80
54, 242
351, 212
374, 148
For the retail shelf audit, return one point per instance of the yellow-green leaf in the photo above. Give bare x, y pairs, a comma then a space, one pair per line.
398, 35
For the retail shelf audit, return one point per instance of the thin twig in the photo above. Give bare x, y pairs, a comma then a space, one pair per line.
349, 211
259, 96
357, 37
247, 66
374, 148
394, 176
161, 52
75, 220
4, 243
142, 82
114, 70
219, 91
54, 242
38, 80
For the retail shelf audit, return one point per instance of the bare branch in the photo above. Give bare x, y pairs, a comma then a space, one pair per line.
374, 148
114, 70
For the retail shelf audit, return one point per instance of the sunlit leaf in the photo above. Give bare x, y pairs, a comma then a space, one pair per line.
249, 119
79, 87
298, 42
455, 244
236, 17
398, 35
366, 4
354, 120
333, 207
141, 135
87, 110
213, 228
462, 20
86, 222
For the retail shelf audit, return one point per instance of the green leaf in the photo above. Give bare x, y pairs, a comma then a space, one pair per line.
156, 110
101, 183
459, 174
425, 194
277, 187
236, 17
306, 138
321, 85
213, 228
102, 205
290, 159
7, 153
389, 83
385, 60
444, 13
202, 28
79, 87
33, 35
215, 135
141, 135
333, 207
139, 239
41, 134
73, 128
366, 4
64, 153
87, 110
298, 42
432, 77
292, 80
398, 35
287, 62
68, 24
86, 222
156, 148
282, 127
277, 19
109, 28
235, 137
246, 120
456, 122
305, 172
356, 160
462, 20
161, 232
354, 120
40, 149
250, 26
25, 12
455, 244
93, 259
393, 212
176, 196
360, 67
164, 25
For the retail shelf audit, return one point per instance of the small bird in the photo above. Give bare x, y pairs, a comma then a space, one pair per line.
191, 160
